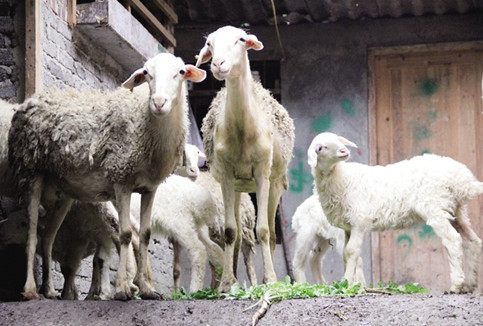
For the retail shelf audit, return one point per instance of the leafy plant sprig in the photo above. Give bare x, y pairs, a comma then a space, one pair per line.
283, 290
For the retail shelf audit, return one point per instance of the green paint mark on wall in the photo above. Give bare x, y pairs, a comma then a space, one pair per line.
421, 132
322, 123
429, 86
432, 115
426, 232
299, 177
405, 238
347, 106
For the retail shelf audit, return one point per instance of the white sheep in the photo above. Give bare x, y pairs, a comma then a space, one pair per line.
314, 237
183, 211
188, 166
93, 146
246, 241
429, 188
248, 139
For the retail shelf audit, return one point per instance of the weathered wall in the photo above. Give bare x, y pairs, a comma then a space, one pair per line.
70, 58
325, 86
12, 50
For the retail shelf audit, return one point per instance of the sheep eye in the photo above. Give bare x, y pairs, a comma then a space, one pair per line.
182, 72
242, 39
145, 72
208, 44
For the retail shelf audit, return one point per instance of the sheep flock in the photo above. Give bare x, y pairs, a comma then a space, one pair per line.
89, 171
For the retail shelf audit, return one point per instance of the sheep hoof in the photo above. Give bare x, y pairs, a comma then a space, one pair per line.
122, 296
225, 285
30, 295
151, 295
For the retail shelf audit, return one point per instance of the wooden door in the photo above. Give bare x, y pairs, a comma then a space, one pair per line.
425, 99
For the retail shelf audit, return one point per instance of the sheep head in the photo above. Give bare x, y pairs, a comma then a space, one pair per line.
165, 75
326, 150
191, 156
228, 47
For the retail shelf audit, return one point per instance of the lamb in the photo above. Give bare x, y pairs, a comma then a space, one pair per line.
188, 166
248, 139
183, 211
314, 236
246, 241
428, 188
92, 146
89, 228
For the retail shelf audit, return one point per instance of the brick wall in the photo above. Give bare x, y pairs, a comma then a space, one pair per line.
70, 58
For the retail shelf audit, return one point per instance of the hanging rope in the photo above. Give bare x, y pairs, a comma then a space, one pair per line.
277, 31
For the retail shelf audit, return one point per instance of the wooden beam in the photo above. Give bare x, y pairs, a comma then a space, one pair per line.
153, 21
71, 13
168, 10
33, 10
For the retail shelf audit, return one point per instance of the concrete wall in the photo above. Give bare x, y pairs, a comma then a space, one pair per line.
324, 86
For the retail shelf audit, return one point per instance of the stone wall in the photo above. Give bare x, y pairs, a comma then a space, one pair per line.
11, 50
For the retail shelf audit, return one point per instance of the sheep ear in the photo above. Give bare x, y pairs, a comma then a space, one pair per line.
137, 78
194, 74
312, 157
252, 42
346, 142
201, 155
203, 56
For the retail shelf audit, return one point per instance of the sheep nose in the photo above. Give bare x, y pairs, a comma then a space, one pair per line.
159, 102
218, 63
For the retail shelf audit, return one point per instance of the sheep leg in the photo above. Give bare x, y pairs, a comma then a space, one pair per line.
123, 198
48, 237
263, 226
103, 256
197, 256
276, 189
453, 244
215, 253
471, 249
303, 247
352, 253
176, 264
318, 254
143, 276
238, 239
30, 288
94, 289
249, 263
69, 269
228, 276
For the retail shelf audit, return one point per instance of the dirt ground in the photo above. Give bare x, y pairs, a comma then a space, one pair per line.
405, 310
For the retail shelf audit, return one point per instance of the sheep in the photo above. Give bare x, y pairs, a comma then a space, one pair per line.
90, 228
93, 146
183, 211
428, 188
248, 139
247, 221
188, 166
314, 236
